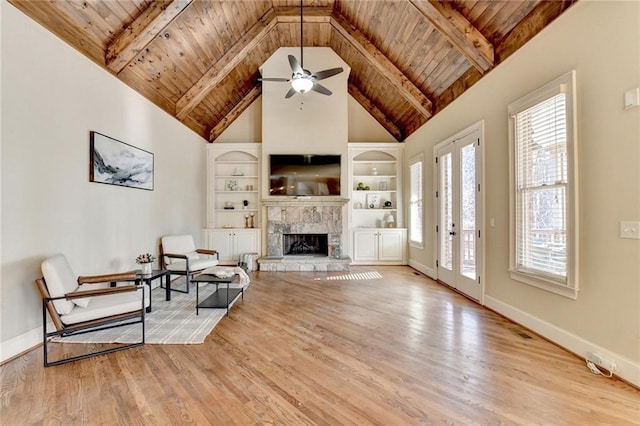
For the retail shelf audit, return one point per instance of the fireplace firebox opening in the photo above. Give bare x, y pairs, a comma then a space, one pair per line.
305, 244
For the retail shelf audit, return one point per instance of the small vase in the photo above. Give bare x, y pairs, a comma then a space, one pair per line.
146, 268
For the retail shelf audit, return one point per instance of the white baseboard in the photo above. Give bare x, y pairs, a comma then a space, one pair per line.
20, 344
423, 268
628, 369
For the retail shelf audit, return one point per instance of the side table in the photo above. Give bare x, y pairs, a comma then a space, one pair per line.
156, 273
222, 297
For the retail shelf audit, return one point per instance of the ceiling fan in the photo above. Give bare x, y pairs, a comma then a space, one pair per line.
303, 80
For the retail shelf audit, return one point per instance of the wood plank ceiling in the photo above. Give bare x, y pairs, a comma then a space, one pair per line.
198, 60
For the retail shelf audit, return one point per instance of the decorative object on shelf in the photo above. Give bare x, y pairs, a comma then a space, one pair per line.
374, 171
253, 225
117, 163
391, 221
357, 205
373, 201
246, 220
145, 261
387, 205
245, 203
382, 186
360, 186
237, 172
229, 205
249, 187
231, 185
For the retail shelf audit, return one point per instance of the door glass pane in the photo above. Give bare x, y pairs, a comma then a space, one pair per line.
446, 213
468, 210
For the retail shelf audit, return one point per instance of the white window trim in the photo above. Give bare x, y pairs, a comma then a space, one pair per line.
569, 288
419, 158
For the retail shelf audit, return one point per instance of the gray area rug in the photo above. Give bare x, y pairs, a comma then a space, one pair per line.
170, 322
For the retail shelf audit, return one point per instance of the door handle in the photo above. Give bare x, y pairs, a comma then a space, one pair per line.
452, 233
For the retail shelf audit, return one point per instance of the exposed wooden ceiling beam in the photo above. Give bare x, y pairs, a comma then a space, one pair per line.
376, 112
225, 64
382, 64
235, 112
315, 15
136, 36
459, 31
541, 16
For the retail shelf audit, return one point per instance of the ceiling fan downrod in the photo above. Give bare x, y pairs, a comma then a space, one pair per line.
301, 35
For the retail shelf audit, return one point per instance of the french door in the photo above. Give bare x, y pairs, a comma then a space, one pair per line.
459, 206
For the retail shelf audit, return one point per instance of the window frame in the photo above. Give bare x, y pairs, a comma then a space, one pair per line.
568, 286
419, 158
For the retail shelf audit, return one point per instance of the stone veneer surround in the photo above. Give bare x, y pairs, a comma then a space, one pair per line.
304, 216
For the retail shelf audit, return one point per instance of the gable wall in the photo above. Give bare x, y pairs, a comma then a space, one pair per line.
52, 97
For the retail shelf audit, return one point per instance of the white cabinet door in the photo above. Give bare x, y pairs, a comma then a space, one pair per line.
230, 243
390, 245
245, 241
221, 240
365, 245
379, 246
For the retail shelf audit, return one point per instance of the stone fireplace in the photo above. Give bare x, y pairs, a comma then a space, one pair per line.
304, 223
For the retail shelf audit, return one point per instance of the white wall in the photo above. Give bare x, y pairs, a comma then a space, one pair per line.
600, 40
362, 127
52, 97
247, 127
311, 123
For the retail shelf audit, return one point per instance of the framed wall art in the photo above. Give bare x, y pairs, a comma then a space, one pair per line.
117, 163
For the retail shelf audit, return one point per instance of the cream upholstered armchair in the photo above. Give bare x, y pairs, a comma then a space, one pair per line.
74, 309
180, 256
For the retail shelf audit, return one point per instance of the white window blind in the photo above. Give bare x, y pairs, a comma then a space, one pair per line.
544, 244
541, 188
416, 207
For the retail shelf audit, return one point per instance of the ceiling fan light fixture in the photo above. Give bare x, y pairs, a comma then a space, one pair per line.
301, 85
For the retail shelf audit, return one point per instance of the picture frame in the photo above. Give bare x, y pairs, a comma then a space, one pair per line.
373, 201
231, 185
114, 162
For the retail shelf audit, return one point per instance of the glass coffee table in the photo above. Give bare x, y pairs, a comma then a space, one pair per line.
222, 297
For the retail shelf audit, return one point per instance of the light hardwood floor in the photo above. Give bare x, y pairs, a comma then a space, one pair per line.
303, 349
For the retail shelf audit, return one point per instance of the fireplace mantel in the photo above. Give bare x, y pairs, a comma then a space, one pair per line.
304, 201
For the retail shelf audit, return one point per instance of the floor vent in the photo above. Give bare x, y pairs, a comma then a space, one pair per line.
519, 332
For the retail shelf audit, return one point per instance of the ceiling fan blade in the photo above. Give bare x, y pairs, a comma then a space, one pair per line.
326, 73
295, 66
290, 93
321, 89
286, 80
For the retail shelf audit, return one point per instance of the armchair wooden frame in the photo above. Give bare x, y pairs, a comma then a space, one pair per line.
188, 273
113, 321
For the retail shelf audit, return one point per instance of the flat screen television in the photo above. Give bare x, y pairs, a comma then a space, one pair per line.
304, 174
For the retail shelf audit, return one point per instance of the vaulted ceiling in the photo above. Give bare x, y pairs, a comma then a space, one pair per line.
198, 60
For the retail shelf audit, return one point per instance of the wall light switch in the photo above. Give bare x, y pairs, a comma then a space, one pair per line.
632, 98
492, 222
630, 230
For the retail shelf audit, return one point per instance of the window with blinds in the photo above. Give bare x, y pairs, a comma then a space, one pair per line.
416, 208
543, 203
